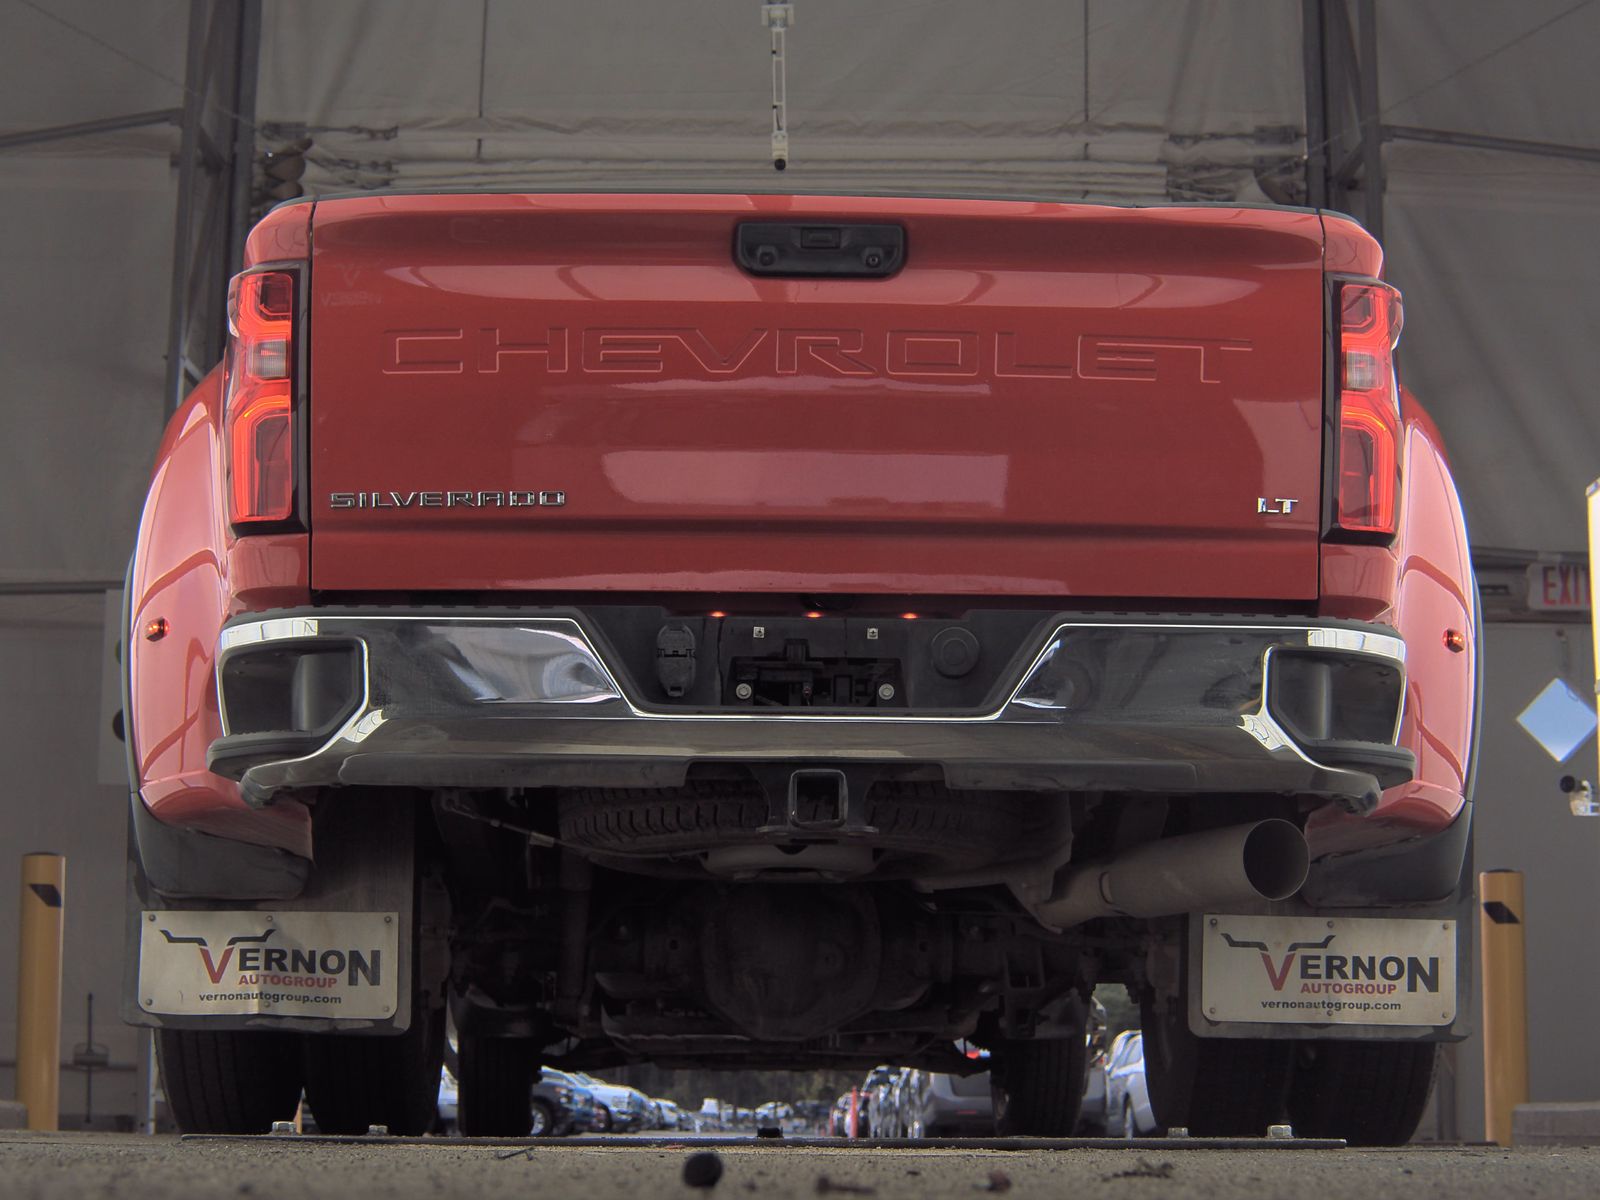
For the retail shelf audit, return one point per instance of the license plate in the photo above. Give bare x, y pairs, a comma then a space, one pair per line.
1322, 970
316, 964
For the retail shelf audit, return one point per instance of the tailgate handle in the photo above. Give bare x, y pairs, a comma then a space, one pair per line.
813, 249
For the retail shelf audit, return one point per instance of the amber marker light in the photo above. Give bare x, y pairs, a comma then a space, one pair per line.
1455, 641
155, 630
813, 615
718, 615
908, 616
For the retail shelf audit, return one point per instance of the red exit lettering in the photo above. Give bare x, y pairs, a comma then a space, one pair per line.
1558, 587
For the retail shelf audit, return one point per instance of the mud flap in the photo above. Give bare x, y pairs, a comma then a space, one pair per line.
364, 873
1353, 974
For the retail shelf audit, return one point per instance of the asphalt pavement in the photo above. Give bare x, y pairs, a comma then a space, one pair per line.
128, 1167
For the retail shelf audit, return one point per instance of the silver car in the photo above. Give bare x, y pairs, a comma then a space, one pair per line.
935, 1104
1128, 1111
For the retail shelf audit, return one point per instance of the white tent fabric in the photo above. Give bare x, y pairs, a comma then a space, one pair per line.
1064, 97
1499, 260
1113, 100
86, 248
1514, 70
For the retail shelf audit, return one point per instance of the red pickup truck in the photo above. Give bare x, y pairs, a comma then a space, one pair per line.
800, 631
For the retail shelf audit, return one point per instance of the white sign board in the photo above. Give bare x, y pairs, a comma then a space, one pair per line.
1316, 970
317, 964
1558, 587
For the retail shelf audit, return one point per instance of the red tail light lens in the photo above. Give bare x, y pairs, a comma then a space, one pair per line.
259, 401
1369, 408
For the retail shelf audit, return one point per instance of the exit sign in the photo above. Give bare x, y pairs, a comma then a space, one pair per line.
1558, 587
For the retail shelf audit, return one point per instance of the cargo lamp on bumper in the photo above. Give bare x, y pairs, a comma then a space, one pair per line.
259, 401
1369, 409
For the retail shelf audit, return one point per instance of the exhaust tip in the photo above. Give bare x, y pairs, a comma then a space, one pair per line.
1276, 859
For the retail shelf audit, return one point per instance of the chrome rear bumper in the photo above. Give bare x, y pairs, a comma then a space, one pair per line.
439, 699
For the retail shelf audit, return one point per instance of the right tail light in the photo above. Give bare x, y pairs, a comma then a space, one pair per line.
1368, 459
259, 398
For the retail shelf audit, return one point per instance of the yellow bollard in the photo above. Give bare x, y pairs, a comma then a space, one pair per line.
44, 878
1505, 1001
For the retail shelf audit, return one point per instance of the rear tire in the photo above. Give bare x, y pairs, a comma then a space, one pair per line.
354, 1082
1038, 1086
1217, 1087
1368, 1093
229, 1081
497, 1077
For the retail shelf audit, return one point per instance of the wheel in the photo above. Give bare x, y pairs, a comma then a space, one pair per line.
1369, 1093
1038, 1086
229, 1081
354, 1082
1217, 1087
542, 1119
603, 1120
1130, 1128
497, 1076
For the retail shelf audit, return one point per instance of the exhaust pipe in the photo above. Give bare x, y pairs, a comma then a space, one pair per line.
1237, 865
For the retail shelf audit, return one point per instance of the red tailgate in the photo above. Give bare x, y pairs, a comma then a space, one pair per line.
1046, 400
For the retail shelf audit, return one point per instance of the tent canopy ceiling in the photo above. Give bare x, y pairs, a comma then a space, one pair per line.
1119, 100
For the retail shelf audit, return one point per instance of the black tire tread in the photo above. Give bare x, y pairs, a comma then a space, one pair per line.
1215, 1087
1369, 1093
1240, 1087
1043, 1083
229, 1081
496, 1086
353, 1082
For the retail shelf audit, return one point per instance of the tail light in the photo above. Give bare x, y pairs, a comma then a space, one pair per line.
1368, 462
259, 398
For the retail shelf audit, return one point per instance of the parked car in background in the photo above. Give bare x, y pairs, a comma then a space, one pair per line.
449, 1104
839, 1116
621, 1109
893, 1123
562, 1105
936, 1104
875, 1102
1092, 1113
778, 1114
710, 1115
1127, 1108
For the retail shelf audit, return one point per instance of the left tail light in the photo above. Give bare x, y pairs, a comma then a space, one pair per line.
259, 398
1368, 467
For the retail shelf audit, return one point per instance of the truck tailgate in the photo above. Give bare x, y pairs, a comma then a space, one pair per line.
543, 392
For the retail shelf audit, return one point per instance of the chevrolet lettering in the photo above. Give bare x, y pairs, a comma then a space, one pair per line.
850, 353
